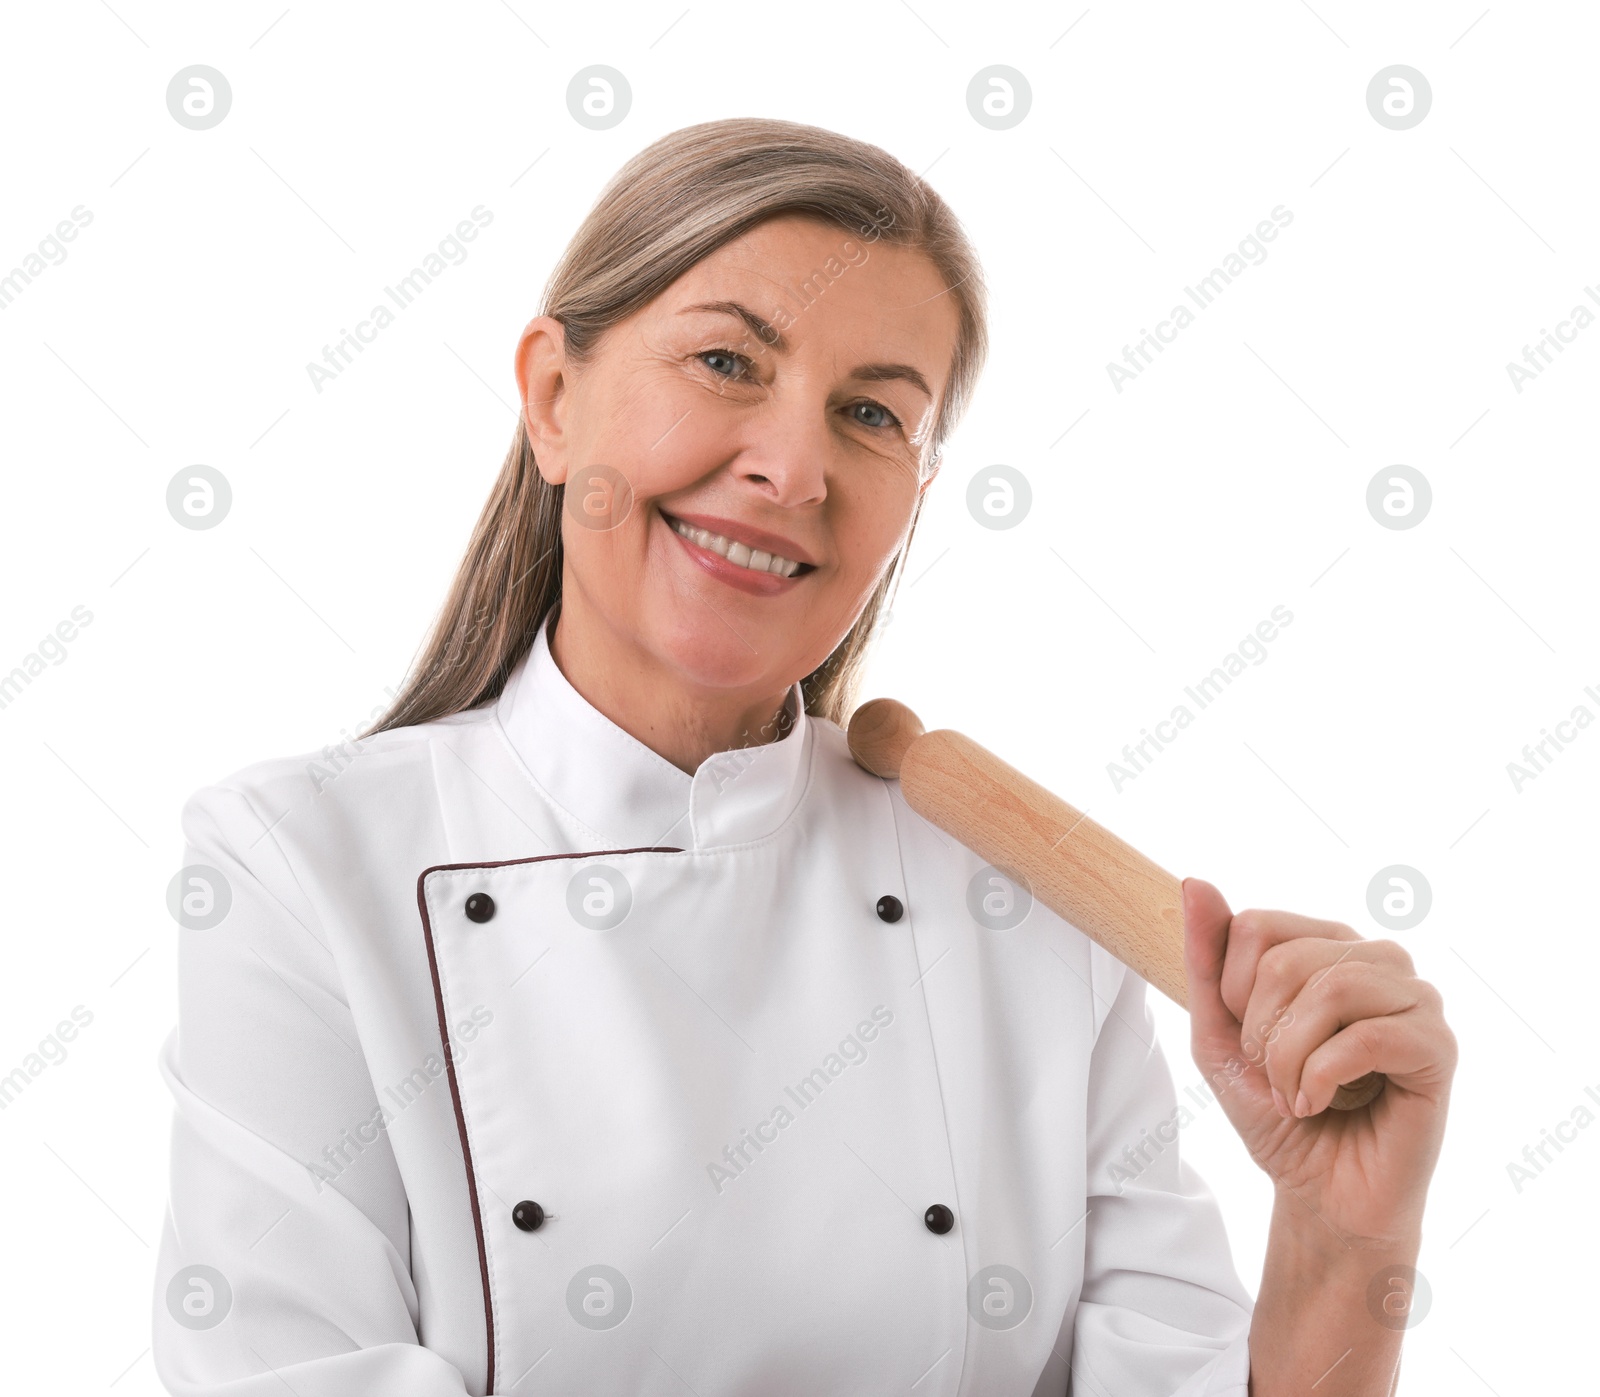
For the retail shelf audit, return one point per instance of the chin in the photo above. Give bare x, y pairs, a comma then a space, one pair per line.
709, 652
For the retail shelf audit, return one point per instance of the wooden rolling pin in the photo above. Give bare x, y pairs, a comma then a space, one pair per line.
1080, 870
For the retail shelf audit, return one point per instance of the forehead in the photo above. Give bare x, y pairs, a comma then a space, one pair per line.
818, 283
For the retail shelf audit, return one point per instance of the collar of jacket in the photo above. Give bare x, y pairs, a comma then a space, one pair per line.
623, 794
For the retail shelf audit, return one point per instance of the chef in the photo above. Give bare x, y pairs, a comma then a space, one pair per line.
599, 1026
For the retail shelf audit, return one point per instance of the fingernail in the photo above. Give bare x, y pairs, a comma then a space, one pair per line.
1302, 1107
1280, 1103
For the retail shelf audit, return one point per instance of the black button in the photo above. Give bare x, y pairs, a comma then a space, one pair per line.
528, 1215
480, 907
939, 1218
890, 908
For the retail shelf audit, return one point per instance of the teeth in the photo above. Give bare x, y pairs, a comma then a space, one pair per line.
738, 553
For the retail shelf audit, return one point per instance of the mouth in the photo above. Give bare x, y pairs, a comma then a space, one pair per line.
738, 555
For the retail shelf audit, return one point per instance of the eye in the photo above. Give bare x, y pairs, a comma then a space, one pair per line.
890, 420
733, 359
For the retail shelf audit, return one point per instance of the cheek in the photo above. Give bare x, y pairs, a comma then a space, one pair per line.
869, 526
664, 436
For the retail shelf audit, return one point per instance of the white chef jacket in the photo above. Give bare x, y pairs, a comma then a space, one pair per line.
740, 1037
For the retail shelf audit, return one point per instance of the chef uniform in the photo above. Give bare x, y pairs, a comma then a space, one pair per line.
512, 1058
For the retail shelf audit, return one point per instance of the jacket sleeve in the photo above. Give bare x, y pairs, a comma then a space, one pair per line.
1162, 1312
275, 1275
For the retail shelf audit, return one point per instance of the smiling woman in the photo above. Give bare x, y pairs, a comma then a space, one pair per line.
696, 320
612, 820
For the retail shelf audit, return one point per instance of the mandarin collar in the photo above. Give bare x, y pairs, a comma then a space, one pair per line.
619, 793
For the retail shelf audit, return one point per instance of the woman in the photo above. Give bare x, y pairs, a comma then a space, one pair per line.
599, 1026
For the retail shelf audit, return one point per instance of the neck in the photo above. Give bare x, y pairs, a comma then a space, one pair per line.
680, 722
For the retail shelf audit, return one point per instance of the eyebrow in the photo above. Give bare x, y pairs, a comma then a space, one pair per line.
773, 338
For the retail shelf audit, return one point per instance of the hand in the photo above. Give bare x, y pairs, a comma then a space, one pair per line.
1283, 1009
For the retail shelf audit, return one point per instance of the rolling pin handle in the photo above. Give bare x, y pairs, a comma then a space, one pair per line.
879, 733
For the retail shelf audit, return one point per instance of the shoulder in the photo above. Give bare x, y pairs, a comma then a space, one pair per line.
942, 871
342, 780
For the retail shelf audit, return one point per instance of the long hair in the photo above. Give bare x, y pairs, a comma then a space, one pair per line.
672, 204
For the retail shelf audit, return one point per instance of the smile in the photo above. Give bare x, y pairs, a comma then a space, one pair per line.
739, 554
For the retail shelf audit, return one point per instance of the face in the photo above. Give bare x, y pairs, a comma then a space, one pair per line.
770, 409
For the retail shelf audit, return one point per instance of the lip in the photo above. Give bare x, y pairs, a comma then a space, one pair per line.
759, 584
747, 534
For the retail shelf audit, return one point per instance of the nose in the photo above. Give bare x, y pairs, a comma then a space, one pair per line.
788, 447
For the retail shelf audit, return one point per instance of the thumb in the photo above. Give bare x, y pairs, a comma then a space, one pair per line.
1206, 917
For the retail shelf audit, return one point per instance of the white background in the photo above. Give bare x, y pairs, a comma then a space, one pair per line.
1167, 519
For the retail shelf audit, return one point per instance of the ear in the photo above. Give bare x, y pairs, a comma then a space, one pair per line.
933, 470
541, 370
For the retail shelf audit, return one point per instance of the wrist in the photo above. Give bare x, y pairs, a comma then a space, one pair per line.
1301, 1237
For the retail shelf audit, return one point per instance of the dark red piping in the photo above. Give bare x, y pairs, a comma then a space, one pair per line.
450, 1063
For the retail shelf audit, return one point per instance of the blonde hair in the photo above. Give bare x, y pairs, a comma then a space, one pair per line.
672, 204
